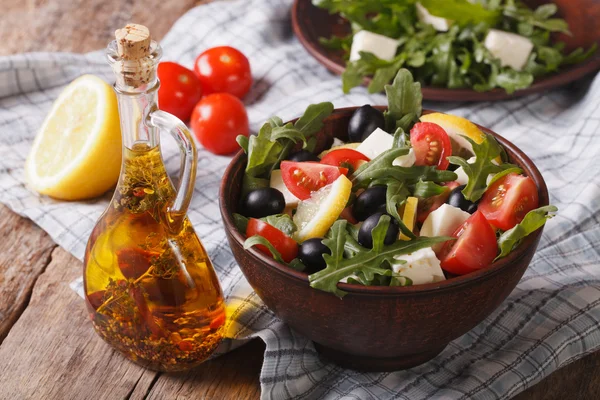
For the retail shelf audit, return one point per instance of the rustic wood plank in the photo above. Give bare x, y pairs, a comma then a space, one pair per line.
579, 380
52, 352
57, 25
232, 376
52, 347
24, 254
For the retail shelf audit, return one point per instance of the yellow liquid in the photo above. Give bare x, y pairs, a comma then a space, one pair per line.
150, 287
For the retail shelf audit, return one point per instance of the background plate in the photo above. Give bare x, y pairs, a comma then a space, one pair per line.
310, 23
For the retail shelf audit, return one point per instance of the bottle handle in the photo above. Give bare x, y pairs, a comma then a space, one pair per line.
176, 212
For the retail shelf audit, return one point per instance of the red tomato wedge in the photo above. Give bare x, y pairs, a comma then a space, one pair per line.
431, 144
303, 178
346, 158
507, 201
430, 204
474, 248
285, 245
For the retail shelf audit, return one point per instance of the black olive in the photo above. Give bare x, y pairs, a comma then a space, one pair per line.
457, 199
453, 167
303, 155
364, 233
311, 254
262, 202
369, 202
363, 122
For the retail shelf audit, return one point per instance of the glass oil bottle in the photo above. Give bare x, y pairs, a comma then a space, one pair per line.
150, 287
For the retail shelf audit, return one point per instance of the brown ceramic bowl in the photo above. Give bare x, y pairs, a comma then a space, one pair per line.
377, 328
310, 23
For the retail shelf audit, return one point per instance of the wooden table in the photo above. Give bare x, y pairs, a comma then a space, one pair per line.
48, 349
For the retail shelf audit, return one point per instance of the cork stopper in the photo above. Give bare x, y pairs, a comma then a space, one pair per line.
133, 47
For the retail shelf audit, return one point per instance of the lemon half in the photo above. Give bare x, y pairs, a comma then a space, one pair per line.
77, 152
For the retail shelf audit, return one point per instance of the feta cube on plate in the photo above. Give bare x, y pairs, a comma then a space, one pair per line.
421, 267
443, 222
381, 46
513, 50
440, 24
277, 183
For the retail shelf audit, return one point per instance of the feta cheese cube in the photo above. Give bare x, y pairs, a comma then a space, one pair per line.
443, 222
407, 160
337, 142
513, 50
440, 24
377, 142
421, 267
381, 46
277, 183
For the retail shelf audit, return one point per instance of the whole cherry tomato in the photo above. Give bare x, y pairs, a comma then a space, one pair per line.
223, 69
179, 91
217, 120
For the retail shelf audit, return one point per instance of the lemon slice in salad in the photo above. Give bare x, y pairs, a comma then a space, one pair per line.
456, 127
315, 215
77, 152
409, 216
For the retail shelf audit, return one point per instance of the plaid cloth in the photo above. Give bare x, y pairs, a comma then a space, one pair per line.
551, 318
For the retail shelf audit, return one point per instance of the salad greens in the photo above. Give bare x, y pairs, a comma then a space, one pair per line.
456, 58
275, 141
349, 260
533, 220
369, 262
477, 172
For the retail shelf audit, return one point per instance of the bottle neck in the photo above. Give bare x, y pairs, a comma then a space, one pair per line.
134, 108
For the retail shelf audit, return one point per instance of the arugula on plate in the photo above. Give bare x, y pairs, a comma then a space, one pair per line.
456, 58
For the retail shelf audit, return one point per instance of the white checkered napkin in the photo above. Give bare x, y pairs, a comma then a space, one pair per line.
549, 320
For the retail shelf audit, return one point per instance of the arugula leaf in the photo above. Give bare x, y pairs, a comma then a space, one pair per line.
478, 171
381, 168
534, 220
275, 140
367, 261
337, 42
240, 222
395, 197
297, 265
311, 121
283, 222
462, 12
426, 189
404, 98
259, 240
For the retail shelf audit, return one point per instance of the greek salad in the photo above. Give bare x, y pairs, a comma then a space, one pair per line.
483, 44
408, 199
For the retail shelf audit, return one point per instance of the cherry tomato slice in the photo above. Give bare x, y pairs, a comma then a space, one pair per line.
285, 245
224, 70
179, 90
507, 201
303, 178
474, 248
431, 144
346, 158
217, 120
